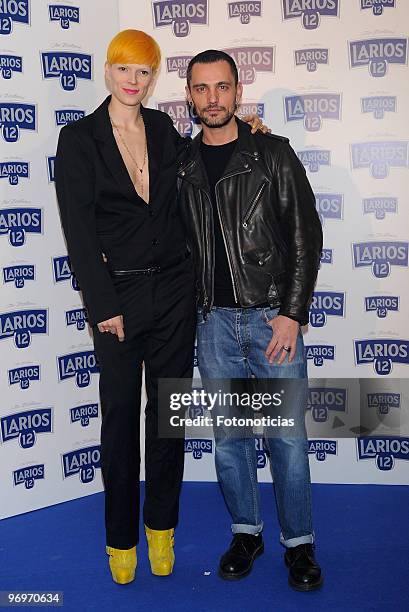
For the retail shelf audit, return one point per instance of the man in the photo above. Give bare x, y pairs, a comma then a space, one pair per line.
256, 241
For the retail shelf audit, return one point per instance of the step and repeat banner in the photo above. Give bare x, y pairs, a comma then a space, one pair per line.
332, 76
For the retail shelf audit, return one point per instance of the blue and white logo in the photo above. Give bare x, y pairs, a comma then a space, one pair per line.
383, 402
77, 317
14, 171
179, 64
51, 168
311, 58
251, 108
378, 105
25, 426
319, 353
79, 365
11, 12
83, 461
17, 222
179, 112
382, 304
380, 256
323, 399
10, 64
379, 157
377, 54
83, 414
67, 66
28, 475
24, 375
312, 108
21, 325
377, 6
326, 304
261, 452
63, 116
326, 256
385, 450
17, 116
322, 448
62, 271
313, 159
252, 60
382, 353
198, 446
329, 206
66, 15
180, 14
379, 206
19, 274
244, 10
310, 11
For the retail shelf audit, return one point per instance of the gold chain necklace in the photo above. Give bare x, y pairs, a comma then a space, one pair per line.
129, 152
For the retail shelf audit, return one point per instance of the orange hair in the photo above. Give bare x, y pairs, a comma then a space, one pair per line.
134, 47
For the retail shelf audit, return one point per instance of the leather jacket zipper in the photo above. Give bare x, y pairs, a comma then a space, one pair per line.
253, 205
207, 304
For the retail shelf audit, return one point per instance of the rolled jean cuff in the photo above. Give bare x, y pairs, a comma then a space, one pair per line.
242, 528
293, 542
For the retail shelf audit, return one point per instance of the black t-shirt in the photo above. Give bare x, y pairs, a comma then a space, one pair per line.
215, 159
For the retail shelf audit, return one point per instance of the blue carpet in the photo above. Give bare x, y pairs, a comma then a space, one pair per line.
362, 545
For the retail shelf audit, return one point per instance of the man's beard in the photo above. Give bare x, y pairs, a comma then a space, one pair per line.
216, 122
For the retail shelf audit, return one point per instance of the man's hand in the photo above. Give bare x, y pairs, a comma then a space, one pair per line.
114, 326
256, 124
285, 332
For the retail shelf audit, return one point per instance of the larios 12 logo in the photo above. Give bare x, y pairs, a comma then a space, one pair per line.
379, 206
251, 108
9, 64
382, 353
66, 66
21, 325
377, 6
379, 156
77, 317
80, 365
244, 10
19, 274
329, 206
24, 375
198, 446
179, 64
62, 271
313, 159
14, 171
378, 105
83, 414
13, 11
180, 14
17, 116
322, 448
310, 11
383, 402
28, 475
312, 108
326, 304
25, 426
323, 399
382, 304
179, 112
83, 461
378, 54
66, 15
261, 453
326, 256
64, 116
380, 256
17, 222
385, 450
319, 353
311, 58
251, 60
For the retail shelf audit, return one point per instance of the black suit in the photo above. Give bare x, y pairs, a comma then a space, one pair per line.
101, 212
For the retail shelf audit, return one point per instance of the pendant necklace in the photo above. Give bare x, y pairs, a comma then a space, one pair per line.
118, 131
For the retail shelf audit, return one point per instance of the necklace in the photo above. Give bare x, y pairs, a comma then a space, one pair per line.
122, 139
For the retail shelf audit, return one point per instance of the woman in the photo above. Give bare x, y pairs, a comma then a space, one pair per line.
116, 187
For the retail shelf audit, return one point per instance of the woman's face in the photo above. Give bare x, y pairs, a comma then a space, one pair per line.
129, 83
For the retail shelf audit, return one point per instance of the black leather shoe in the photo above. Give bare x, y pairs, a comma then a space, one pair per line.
305, 573
238, 560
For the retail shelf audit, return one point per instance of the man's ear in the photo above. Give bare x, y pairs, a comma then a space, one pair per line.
188, 95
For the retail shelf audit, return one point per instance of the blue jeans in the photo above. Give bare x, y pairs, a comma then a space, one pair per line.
231, 344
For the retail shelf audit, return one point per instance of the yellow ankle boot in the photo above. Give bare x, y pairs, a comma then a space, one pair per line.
122, 564
161, 555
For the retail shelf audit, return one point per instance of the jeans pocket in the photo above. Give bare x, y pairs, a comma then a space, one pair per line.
267, 314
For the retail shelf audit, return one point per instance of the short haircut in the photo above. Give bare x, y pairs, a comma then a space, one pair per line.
134, 47
209, 57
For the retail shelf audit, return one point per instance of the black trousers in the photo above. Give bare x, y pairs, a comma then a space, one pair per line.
159, 325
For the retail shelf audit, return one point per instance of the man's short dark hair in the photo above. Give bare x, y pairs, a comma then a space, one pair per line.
209, 57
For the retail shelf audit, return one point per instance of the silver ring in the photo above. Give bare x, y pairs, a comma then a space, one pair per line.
287, 349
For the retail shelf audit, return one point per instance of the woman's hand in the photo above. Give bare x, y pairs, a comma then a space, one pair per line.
256, 124
114, 326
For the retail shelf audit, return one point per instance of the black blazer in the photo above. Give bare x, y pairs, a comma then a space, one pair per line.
101, 211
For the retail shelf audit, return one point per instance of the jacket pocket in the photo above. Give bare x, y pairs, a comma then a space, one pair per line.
253, 205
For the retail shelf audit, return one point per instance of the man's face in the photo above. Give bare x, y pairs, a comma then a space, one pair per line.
214, 93
128, 83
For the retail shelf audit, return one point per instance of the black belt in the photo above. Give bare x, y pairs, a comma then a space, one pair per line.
153, 270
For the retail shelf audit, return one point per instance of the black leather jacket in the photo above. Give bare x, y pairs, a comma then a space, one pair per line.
269, 222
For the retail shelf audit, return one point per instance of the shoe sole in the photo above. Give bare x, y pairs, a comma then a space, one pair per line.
243, 574
307, 587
